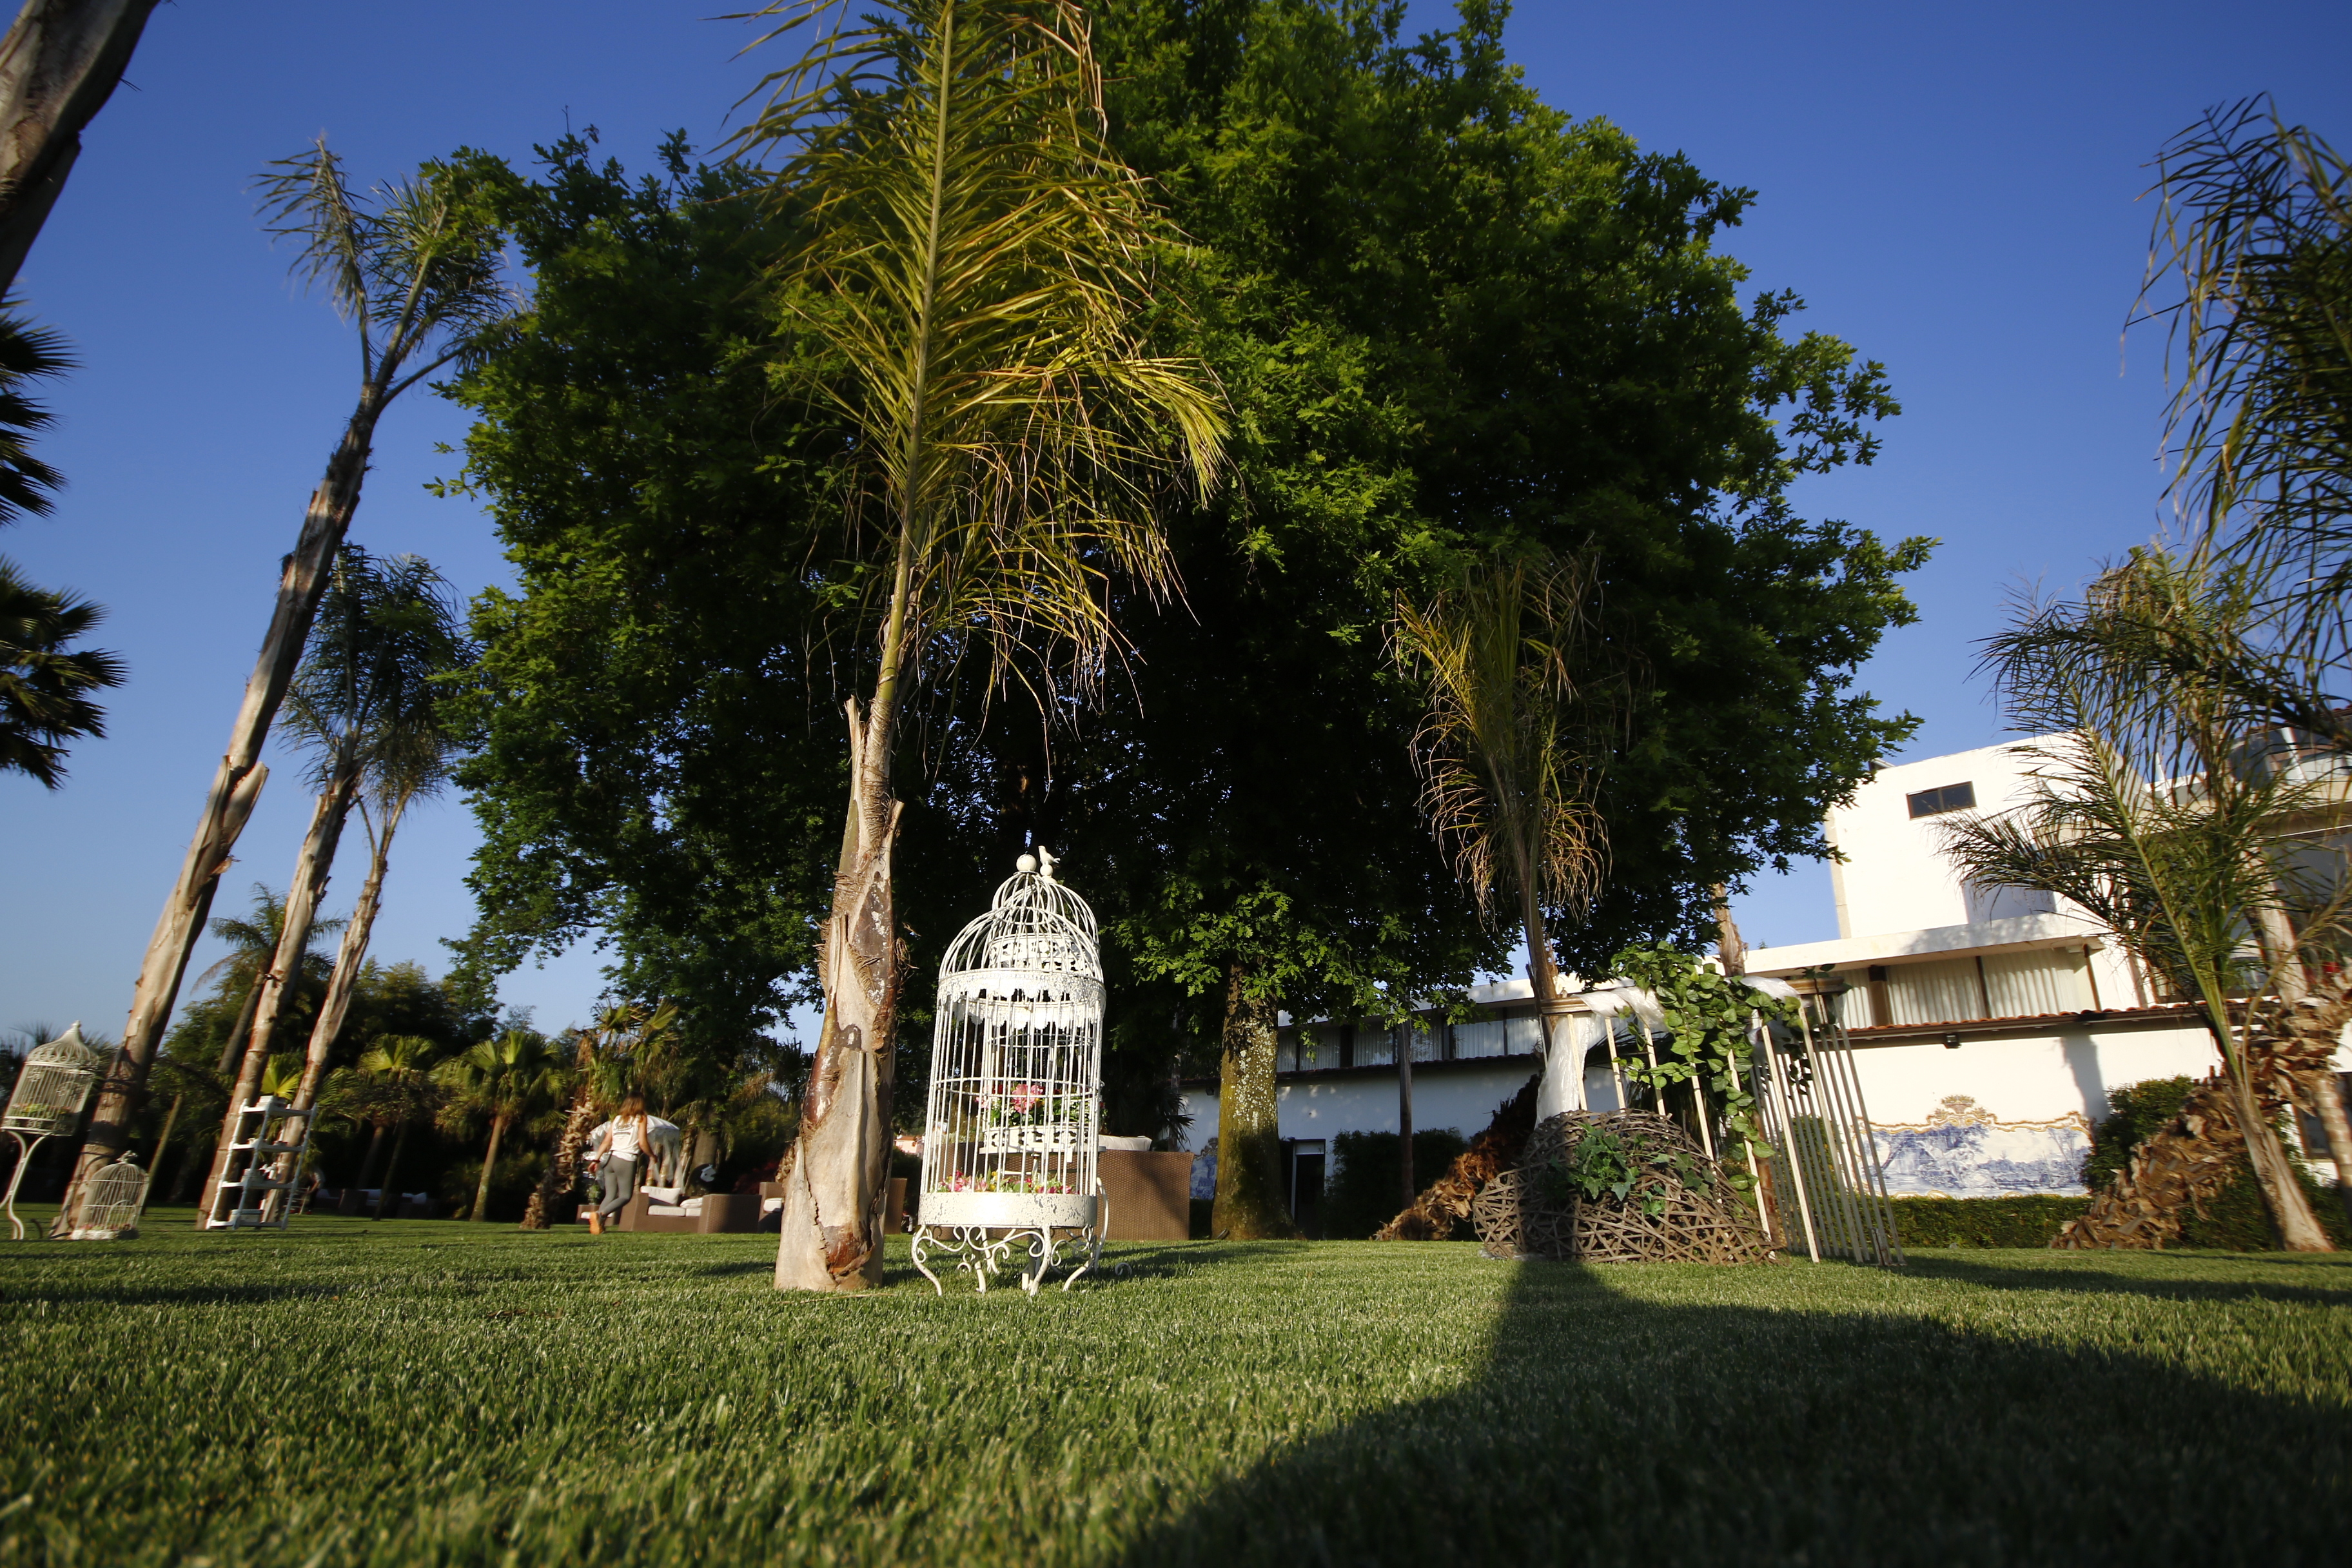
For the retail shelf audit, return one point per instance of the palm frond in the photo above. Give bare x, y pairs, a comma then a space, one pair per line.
978, 261
2251, 267
1510, 753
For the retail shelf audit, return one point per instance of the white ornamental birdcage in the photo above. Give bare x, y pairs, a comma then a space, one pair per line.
1012, 1126
53, 1087
109, 1209
51, 1090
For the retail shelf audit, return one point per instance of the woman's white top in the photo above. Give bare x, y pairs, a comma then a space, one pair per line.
619, 1139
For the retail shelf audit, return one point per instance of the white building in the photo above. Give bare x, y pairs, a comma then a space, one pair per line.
1989, 1024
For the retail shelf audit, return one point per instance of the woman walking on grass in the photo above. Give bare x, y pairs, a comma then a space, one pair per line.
617, 1150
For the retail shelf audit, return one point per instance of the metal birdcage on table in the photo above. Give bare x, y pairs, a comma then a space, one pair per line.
110, 1205
1012, 1128
51, 1090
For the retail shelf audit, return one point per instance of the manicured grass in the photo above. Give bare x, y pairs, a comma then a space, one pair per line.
442, 1392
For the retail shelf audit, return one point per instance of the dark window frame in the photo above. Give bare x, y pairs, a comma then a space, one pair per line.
1960, 796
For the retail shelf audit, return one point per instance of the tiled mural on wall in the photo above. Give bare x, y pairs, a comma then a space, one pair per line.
1964, 1150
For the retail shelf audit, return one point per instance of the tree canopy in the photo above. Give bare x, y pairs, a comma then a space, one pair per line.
1448, 317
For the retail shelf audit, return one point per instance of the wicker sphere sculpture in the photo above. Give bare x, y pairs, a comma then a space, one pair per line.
1665, 1218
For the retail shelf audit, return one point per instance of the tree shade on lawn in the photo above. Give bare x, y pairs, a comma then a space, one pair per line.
449, 1392
973, 259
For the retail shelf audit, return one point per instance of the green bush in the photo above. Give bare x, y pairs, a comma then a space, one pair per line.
1921, 1223
1363, 1193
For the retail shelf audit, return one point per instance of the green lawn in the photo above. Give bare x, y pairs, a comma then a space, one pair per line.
442, 1392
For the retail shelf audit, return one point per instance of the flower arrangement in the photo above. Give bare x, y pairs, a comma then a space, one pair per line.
1008, 1181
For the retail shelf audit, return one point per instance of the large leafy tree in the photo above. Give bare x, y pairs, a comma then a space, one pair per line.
653, 759
1447, 319
1455, 321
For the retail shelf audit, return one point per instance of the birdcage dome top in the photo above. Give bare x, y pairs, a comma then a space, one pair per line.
68, 1050
1036, 932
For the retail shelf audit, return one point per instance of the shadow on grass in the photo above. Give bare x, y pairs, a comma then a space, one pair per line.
2330, 1284
1607, 1429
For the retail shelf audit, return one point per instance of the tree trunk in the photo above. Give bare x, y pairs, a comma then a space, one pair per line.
1249, 1205
163, 1145
563, 1171
1543, 977
1404, 1115
236, 786
2282, 952
303, 899
830, 1236
233, 1048
2327, 1099
383, 1196
1729, 948
58, 65
2298, 1227
348, 958
489, 1164
367, 1170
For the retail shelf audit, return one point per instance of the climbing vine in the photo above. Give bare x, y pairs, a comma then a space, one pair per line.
1706, 1039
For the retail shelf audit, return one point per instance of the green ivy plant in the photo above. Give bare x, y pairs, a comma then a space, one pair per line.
1606, 1161
1707, 1016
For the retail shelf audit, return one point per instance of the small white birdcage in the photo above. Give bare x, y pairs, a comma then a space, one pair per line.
1011, 1127
47, 1102
109, 1209
53, 1087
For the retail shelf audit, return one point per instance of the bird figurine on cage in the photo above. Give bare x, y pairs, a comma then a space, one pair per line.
1011, 1127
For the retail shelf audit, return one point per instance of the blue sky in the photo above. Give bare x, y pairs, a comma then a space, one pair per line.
1953, 189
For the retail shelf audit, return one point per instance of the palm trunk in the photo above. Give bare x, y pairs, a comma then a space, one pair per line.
2282, 954
303, 899
58, 65
489, 1163
563, 1171
391, 1169
830, 1235
348, 958
367, 1170
2290, 1211
1543, 978
233, 1048
163, 1145
236, 786
1404, 1116
1249, 1204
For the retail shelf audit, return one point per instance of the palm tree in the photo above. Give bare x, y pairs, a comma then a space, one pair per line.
402, 1086
418, 268
2251, 266
1512, 750
975, 262
503, 1079
363, 692
45, 680
2158, 804
371, 692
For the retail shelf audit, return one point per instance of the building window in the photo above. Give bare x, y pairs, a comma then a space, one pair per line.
1935, 802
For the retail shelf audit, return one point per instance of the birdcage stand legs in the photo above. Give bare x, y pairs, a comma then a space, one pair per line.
983, 1251
16, 1179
